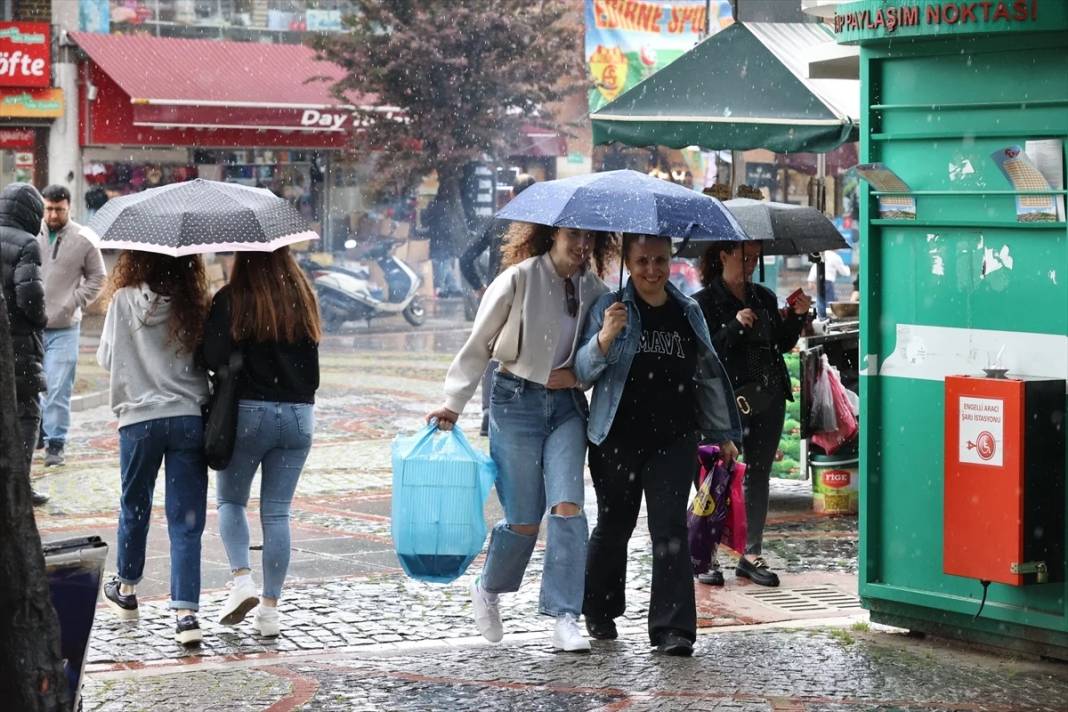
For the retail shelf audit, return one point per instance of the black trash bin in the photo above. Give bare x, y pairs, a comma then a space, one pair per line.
75, 573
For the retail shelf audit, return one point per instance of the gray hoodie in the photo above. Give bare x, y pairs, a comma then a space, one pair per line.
150, 377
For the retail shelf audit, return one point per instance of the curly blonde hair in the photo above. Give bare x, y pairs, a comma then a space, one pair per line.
525, 240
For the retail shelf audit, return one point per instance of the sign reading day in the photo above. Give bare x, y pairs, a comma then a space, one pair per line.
629, 40
25, 54
873, 20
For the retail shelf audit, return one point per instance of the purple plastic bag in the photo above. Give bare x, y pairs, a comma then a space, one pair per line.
707, 515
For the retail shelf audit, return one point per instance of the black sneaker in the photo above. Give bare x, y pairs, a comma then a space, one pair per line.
187, 632
756, 571
602, 630
675, 645
125, 607
39, 500
712, 577
54, 456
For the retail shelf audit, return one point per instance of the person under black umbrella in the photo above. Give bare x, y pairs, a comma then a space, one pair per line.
750, 336
153, 327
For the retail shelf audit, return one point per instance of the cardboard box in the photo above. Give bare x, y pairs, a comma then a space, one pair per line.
395, 229
216, 276
426, 274
418, 251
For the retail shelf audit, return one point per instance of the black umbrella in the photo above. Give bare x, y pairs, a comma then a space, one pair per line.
783, 229
199, 216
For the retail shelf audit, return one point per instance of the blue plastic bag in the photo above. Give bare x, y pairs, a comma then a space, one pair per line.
440, 486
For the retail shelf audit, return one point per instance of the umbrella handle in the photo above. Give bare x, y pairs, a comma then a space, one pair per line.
685, 242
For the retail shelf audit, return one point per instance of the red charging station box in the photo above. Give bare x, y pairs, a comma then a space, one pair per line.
1004, 479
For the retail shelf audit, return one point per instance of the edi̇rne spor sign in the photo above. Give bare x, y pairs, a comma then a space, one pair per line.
629, 40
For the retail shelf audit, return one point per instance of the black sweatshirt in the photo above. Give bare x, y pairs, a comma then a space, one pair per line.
659, 403
273, 370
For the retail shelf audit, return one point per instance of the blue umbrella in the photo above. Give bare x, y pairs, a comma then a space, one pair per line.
624, 201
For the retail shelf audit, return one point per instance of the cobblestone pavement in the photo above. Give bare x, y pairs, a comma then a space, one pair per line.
360, 635
794, 670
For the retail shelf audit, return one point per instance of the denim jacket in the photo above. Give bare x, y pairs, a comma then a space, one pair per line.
717, 413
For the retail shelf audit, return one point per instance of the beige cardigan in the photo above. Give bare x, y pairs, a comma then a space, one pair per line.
540, 331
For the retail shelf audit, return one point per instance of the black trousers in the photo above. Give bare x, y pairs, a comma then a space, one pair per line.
622, 471
29, 416
761, 435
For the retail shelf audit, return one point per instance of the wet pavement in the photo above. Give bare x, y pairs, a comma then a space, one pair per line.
357, 634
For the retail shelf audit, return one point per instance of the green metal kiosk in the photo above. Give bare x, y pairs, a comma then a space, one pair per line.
965, 268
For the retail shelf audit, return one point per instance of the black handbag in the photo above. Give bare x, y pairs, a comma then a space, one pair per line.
220, 420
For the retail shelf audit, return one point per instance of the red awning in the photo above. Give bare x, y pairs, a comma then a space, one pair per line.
208, 84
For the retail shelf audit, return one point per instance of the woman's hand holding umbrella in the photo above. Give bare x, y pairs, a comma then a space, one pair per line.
746, 317
615, 320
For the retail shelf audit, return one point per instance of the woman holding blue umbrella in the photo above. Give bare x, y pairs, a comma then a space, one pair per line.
658, 390
530, 320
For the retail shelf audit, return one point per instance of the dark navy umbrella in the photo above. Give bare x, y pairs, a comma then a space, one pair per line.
199, 216
624, 201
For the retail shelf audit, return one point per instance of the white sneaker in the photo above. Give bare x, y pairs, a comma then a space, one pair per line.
487, 614
266, 622
568, 637
242, 599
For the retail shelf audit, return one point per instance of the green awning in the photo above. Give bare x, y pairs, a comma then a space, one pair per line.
745, 87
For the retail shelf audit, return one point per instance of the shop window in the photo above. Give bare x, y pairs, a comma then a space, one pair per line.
213, 18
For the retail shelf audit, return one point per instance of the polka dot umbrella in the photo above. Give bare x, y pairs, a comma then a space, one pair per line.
198, 216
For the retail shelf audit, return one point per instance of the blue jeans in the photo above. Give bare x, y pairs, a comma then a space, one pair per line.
538, 440
60, 361
277, 436
179, 442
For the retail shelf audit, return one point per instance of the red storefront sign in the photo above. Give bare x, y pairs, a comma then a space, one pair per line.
112, 119
148, 93
16, 139
25, 54
243, 117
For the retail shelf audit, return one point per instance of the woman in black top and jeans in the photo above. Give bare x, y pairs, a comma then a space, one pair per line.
269, 312
750, 336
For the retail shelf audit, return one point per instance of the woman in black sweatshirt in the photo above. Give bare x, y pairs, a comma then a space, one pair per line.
269, 312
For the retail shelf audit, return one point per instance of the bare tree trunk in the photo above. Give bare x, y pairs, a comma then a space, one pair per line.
31, 664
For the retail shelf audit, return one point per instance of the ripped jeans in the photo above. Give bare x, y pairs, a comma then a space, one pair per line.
538, 440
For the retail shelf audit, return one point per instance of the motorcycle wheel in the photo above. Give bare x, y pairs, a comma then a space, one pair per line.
415, 312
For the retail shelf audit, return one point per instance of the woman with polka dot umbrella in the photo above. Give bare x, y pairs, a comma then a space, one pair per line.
199, 216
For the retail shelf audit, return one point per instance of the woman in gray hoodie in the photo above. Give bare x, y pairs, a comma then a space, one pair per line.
152, 329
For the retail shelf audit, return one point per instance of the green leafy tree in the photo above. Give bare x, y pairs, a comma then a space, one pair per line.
439, 83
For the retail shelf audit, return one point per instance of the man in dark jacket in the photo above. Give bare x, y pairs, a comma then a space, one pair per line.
21, 211
492, 239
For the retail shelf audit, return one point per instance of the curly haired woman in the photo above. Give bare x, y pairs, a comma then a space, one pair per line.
537, 417
151, 332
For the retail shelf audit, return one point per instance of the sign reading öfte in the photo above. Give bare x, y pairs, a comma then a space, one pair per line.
982, 431
25, 54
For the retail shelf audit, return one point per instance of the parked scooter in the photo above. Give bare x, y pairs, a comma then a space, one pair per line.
349, 294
